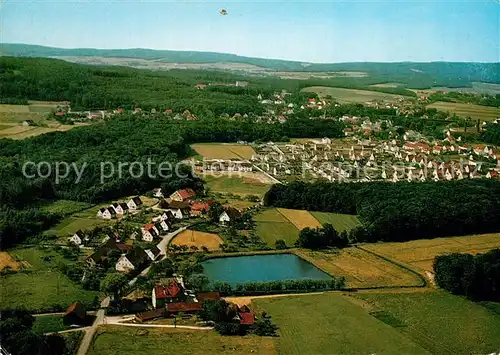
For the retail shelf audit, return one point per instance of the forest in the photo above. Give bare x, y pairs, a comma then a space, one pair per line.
474, 276
491, 134
400, 211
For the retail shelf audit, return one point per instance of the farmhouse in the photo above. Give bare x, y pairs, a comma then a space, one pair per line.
182, 195
230, 215
77, 238
198, 208
75, 314
132, 260
173, 292
134, 203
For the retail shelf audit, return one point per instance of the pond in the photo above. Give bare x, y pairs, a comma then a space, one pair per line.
259, 268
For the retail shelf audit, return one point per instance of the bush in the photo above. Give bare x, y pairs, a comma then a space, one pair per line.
280, 244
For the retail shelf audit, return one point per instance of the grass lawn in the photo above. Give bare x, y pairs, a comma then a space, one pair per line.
484, 113
115, 340
352, 95
330, 324
236, 185
41, 285
440, 322
341, 222
71, 225
272, 225
65, 207
48, 324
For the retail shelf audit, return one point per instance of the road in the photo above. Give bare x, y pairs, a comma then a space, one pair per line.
89, 333
166, 240
118, 320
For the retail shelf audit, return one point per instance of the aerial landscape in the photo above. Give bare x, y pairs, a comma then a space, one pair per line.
275, 178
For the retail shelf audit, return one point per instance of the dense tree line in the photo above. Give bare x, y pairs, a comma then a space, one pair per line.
18, 337
468, 98
318, 238
400, 211
475, 276
491, 134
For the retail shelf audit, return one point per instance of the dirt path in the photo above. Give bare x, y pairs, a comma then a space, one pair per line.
118, 320
89, 333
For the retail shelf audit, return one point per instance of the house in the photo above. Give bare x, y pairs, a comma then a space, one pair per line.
164, 225
134, 203
118, 207
173, 292
100, 256
184, 307
132, 260
158, 193
182, 195
230, 214
75, 314
198, 208
28, 123
178, 209
107, 213
208, 296
149, 232
246, 317
77, 238
153, 252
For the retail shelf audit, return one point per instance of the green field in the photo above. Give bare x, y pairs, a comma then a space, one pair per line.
484, 113
49, 324
65, 207
440, 322
71, 225
272, 225
330, 324
236, 185
113, 340
341, 222
41, 285
352, 95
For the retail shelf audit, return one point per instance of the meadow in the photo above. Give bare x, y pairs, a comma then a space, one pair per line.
483, 113
223, 150
48, 324
299, 218
341, 222
420, 254
440, 322
272, 225
236, 185
330, 324
116, 340
352, 95
190, 238
360, 268
40, 285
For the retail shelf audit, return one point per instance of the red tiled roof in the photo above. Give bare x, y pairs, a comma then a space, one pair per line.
183, 307
171, 291
148, 226
247, 318
200, 206
186, 193
213, 296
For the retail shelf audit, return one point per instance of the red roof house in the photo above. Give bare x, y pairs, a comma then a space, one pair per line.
183, 195
183, 307
167, 294
246, 318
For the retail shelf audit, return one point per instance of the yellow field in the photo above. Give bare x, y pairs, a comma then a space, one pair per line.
199, 239
420, 253
300, 219
352, 95
7, 261
484, 113
224, 151
360, 268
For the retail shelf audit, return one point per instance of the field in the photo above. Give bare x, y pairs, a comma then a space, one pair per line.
117, 340
41, 285
6, 261
330, 324
223, 151
199, 239
483, 113
341, 222
272, 225
70, 225
236, 185
440, 322
65, 207
48, 324
299, 218
352, 95
420, 254
360, 268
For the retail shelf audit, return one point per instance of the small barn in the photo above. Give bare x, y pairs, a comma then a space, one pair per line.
75, 314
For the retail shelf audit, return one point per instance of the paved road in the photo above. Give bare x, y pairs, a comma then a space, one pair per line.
166, 240
89, 334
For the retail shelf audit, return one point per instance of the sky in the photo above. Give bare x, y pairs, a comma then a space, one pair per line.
314, 31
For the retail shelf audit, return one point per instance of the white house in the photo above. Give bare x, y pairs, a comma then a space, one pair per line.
107, 213
149, 232
229, 215
134, 203
118, 208
124, 265
77, 238
132, 260
178, 209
